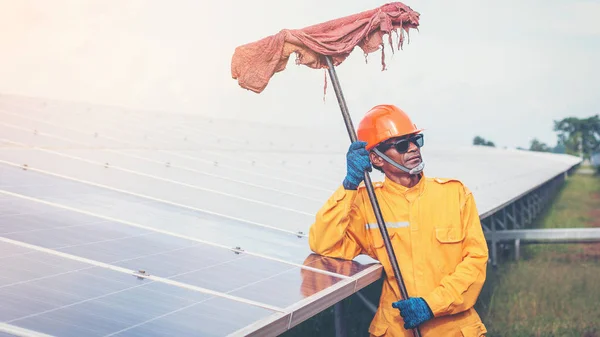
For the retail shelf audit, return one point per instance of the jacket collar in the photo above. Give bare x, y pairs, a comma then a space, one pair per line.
409, 193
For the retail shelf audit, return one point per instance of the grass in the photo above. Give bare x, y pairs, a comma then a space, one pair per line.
554, 290
575, 204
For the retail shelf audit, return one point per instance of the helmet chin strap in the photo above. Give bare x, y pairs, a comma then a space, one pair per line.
415, 170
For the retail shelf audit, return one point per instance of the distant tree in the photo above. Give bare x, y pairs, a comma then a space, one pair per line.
579, 136
538, 146
480, 141
560, 147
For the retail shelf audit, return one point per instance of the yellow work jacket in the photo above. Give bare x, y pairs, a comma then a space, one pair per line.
438, 240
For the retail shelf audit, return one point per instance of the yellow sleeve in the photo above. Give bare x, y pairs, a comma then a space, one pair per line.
339, 227
458, 291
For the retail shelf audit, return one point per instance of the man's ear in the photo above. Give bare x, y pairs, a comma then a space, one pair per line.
376, 160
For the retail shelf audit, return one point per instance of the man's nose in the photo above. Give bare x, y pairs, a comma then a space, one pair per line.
412, 147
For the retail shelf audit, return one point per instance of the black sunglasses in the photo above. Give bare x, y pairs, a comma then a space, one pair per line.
402, 145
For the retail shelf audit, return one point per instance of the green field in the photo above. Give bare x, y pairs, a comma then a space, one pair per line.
554, 290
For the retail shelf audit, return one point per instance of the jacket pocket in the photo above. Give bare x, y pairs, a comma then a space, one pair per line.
448, 250
452, 234
474, 330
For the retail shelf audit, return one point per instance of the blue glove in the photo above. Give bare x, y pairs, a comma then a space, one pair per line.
414, 311
357, 161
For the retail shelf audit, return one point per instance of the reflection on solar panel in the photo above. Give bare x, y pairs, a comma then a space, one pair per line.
123, 223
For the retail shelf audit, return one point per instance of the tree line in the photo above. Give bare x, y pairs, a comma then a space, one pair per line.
575, 136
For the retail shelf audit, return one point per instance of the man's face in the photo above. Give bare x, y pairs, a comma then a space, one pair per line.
402, 150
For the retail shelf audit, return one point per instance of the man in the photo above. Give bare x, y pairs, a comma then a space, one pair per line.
433, 225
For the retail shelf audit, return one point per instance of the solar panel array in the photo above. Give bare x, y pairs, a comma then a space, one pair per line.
122, 223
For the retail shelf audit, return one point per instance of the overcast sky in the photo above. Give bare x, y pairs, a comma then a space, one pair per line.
500, 69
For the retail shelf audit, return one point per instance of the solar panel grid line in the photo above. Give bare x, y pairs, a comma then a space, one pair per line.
41, 133
173, 234
175, 275
99, 241
153, 319
150, 198
29, 131
171, 181
217, 213
32, 213
19, 331
12, 253
8, 215
112, 262
232, 167
132, 146
161, 179
266, 188
295, 182
242, 155
182, 127
75, 303
64, 247
54, 228
64, 127
37, 120
272, 156
259, 163
155, 199
41, 277
158, 317
173, 129
140, 275
47, 277
295, 234
143, 285
139, 124
177, 310
98, 298
207, 130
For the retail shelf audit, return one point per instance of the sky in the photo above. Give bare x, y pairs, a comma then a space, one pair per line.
503, 70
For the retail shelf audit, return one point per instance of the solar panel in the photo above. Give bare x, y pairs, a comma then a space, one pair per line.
136, 211
125, 223
63, 297
186, 261
176, 192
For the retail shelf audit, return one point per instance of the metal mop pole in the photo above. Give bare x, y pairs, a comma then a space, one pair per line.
369, 185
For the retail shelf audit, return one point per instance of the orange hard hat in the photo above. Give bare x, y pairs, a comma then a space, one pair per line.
383, 122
